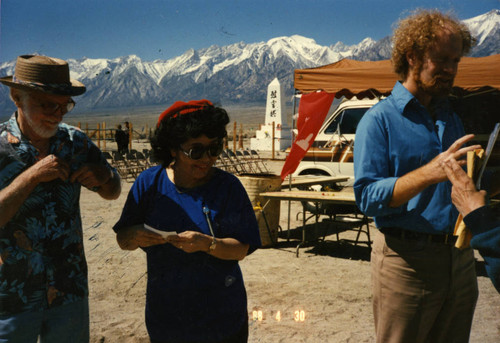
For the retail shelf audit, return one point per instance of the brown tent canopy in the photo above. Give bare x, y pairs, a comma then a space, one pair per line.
370, 79
475, 96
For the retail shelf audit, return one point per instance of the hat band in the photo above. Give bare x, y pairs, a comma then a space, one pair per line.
47, 87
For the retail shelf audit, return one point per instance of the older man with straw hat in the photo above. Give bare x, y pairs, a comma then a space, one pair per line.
43, 164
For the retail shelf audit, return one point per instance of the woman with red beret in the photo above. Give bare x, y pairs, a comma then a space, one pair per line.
195, 222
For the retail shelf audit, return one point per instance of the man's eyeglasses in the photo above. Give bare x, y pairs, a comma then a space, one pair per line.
52, 107
198, 151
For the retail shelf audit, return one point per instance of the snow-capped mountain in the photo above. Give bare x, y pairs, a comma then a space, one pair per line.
237, 73
486, 29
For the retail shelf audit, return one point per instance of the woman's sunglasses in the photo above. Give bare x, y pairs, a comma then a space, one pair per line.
198, 151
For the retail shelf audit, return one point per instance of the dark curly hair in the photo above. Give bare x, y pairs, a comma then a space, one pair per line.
418, 32
210, 121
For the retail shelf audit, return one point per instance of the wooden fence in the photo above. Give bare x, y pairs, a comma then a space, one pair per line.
100, 134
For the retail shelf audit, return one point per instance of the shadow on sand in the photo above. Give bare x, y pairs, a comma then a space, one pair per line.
323, 241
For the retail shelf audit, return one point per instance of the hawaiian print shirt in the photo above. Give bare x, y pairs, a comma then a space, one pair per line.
42, 261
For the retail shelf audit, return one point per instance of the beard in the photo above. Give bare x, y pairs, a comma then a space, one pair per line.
37, 129
439, 85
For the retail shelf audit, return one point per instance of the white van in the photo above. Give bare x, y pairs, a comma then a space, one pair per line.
332, 150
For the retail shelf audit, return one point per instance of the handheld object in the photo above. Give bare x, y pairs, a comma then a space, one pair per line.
164, 234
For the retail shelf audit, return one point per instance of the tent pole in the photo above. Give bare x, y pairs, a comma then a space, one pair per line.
294, 105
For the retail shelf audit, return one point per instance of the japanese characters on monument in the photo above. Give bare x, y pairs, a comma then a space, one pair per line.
275, 113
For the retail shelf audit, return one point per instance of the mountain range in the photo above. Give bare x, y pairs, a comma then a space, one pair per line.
237, 73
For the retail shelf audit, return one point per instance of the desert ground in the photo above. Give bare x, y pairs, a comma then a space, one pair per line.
321, 296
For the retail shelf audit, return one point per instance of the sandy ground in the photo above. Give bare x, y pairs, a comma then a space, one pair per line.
321, 296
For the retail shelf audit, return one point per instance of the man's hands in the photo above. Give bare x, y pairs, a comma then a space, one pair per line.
92, 176
52, 167
409, 185
434, 168
464, 195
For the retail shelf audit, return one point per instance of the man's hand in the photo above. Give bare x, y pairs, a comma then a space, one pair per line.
13, 196
50, 168
91, 175
464, 195
434, 167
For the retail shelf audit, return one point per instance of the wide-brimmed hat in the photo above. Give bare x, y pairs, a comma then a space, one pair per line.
44, 74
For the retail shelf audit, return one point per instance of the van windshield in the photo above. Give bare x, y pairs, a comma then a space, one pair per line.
348, 120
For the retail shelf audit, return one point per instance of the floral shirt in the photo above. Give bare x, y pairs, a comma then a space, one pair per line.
42, 261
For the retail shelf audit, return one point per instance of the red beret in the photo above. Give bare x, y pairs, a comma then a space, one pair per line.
181, 107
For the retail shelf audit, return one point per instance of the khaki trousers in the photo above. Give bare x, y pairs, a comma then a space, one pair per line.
422, 291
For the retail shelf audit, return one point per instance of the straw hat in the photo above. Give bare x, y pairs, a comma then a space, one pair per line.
43, 74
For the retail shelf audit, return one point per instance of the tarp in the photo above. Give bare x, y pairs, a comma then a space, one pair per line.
374, 78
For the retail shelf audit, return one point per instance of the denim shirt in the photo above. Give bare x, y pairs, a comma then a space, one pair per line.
42, 261
395, 137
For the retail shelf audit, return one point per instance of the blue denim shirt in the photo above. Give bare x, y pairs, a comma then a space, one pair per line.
42, 261
393, 138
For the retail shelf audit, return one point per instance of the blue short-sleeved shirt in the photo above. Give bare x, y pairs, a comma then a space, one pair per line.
397, 136
192, 297
41, 248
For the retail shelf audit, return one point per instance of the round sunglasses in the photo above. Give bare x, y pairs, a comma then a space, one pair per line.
198, 151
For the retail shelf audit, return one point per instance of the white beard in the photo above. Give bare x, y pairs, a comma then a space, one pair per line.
39, 131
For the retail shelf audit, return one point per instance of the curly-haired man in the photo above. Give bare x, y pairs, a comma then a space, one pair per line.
424, 289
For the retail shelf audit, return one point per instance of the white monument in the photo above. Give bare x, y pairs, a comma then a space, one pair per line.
275, 108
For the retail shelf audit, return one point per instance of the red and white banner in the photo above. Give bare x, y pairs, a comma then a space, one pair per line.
313, 109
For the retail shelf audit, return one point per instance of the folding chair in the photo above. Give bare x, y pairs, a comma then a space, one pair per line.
346, 217
233, 164
251, 159
245, 162
256, 156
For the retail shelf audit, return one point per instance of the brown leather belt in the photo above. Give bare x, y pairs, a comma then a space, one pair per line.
448, 239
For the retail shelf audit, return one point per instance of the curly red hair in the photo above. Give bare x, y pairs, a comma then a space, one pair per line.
418, 32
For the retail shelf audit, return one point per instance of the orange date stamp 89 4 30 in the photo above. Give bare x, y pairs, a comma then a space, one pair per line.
296, 315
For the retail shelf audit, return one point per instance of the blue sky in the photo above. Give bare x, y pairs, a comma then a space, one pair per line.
162, 29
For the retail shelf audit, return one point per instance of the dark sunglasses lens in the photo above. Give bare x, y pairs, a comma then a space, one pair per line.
215, 150
196, 153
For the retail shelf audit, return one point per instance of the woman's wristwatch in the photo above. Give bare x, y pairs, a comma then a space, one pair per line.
212, 246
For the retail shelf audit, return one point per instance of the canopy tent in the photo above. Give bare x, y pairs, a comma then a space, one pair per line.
475, 95
369, 79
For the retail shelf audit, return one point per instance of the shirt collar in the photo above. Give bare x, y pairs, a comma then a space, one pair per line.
13, 127
402, 96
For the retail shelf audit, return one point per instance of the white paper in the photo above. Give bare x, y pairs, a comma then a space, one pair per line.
164, 234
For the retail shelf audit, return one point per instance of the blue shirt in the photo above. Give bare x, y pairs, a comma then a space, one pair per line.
42, 258
192, 297
395, 137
